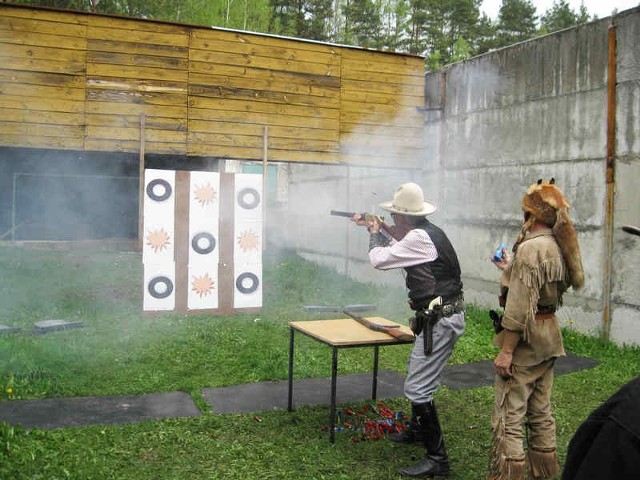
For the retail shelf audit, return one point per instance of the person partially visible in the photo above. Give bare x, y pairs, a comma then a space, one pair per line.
432, 270
607, 443
546, 262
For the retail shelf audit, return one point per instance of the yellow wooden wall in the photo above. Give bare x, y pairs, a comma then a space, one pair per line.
80, 81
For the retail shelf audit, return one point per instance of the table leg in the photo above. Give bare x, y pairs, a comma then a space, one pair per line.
374, 387
334, 374
290, 398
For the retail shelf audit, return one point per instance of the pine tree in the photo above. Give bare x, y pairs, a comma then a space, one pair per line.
301, 18
438, 25
363, 24
516, 22
561, 16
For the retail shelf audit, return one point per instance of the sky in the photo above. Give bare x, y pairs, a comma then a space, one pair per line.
601, 8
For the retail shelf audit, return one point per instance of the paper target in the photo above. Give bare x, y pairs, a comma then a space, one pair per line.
248, 198
247, 235
203, 243
247, 282
160, 287
203, 287
158, 217
159, 190
184, 236
204, 235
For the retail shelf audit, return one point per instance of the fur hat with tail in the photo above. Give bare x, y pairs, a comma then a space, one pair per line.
546, 204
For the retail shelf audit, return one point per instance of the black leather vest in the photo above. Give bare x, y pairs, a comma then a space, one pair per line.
440, 277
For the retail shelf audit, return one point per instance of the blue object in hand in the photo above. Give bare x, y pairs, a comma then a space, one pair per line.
498, 255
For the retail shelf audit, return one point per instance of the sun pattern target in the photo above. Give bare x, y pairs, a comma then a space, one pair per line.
205, 194
248, 240
203, 285
158, 240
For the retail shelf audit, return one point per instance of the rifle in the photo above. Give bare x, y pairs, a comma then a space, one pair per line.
392, 330
392, 230
368, 217
349, 310
627, 228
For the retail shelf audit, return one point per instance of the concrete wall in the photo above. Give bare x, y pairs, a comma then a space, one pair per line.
494, 125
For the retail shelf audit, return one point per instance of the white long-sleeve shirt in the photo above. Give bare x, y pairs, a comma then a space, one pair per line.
415, 248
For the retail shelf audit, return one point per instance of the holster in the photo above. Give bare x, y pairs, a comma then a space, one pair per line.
496, 318
423, 321
431, 317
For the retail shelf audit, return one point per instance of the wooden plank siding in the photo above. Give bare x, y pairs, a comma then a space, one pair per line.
136, 68
381, 116
81, 81
42, 70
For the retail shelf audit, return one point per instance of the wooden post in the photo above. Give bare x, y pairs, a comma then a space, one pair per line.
610, 181
141, 183
265, 155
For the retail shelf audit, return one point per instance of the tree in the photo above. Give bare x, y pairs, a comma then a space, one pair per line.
301, 18
461, 50
394, 18
561, 16
419, 12
362, 24
250, 15
484, 36
436, 25
516, 22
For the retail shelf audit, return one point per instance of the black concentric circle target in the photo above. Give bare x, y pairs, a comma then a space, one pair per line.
247, 276
160, 294
248, 198
159, 182
198, 239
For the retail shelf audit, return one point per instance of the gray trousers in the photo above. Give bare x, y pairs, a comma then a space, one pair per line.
423, 372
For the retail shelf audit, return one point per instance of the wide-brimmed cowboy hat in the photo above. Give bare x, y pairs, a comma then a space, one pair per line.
408, 199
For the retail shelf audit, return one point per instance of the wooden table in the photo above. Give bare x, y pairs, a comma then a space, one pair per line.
342, 333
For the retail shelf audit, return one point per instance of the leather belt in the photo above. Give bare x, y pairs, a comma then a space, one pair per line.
546, 309
424, 304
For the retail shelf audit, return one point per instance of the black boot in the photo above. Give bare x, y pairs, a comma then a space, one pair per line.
435, 463
413, 433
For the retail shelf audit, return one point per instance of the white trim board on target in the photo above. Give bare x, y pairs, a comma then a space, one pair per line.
204, 244
247, 248
158, 248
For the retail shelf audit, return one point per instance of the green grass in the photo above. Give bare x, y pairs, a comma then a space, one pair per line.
120, 351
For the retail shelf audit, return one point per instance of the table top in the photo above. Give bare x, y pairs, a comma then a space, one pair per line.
347, 332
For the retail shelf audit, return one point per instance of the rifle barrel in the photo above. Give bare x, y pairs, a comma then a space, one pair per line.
338, 213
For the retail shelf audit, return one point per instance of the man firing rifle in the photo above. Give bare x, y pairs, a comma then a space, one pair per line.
435, 294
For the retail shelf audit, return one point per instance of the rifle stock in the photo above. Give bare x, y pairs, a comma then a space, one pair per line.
391, 330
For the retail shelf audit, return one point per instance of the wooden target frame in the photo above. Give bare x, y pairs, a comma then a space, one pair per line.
203, 241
